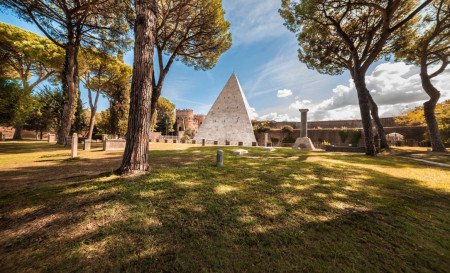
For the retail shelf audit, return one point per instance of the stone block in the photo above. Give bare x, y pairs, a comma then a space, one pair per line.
87, 145
114, 144
227, 142
268, 149
304, 143
240, 152
175, 141
193, 141
51, 138
254, 144
216, 142
240, 143
166, 141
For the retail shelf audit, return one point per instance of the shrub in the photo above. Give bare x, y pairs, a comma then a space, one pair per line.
186, 138
356, 136
343, 133
288, 139
325, 143
262, 129
189, 132
287, 129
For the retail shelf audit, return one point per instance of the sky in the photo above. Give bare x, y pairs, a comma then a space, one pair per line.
275, 82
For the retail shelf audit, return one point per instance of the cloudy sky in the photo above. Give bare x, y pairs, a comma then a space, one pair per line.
264, 57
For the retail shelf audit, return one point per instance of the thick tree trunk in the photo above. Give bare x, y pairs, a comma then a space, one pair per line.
135, 157
364, 107
430, 117
377, 121
70, 86
18, 132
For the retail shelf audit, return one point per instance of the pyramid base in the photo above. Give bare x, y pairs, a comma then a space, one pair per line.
303, 143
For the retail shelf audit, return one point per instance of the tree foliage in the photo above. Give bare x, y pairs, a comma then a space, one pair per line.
165, 116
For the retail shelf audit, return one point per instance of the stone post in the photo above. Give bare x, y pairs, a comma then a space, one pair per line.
203, 142
304, 122
266, 139
74, 145
87, 145
219, 158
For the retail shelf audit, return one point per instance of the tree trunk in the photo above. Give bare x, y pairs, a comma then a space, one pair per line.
135, 157
70, 86
155, 96
430, 117
91, 124
364, 107
377, 121
18, 132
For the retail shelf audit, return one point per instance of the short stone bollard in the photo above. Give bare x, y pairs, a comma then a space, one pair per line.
254, 144
193, 141
219, 158
240, 143
1, 136
227, 142
203, 142
216, 142
175, 141
157, 140
74, 145
166, 141
87, 144
51, 138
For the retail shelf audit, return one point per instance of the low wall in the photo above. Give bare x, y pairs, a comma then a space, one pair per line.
114, 144
8, 132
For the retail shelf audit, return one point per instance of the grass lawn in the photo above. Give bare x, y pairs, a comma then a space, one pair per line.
288, 211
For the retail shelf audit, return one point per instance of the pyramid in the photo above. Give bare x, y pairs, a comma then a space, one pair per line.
228, 119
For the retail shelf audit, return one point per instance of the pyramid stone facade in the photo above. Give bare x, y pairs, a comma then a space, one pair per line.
229, 117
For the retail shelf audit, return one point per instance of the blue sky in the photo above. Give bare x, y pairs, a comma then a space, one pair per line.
276, 84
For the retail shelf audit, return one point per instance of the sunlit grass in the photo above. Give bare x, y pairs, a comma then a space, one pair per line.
286, 210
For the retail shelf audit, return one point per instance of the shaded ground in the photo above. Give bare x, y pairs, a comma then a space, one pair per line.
263, 212
421, 153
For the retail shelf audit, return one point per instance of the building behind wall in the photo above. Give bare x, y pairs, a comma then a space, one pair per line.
187, 120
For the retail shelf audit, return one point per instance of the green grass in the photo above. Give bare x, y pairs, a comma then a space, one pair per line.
283, 211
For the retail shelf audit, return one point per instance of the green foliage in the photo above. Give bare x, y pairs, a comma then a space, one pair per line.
189, 132
343, 134
186, 137
325, 143
416, 117
80, 121
288, 139
14, 103
274, 140
287, 129
165, 118
356, 136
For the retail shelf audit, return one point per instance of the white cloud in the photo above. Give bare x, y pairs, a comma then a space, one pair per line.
395, 87
284, 93
253, 114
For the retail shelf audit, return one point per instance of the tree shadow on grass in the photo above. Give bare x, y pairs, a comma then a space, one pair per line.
257, 213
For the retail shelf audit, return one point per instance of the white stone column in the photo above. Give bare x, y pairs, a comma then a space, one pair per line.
74, 145
266, 139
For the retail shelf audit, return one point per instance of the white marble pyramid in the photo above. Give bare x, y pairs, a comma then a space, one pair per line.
229, 117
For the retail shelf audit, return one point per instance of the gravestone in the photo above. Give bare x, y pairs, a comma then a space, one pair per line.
104, 137
74, 145
114, 144
240, 152
203, 142
68, 141
51, 138
87, 144
219, 158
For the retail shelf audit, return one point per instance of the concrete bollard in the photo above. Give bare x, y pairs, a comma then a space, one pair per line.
74, 145
254, 144
193, 141
216, 142
240, 143
203, 142
166, 141
266, 139
219, 158
227, 142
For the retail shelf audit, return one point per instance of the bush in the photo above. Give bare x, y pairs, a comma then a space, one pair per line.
189, 132
325, 143
262, 129
288, 139
186, 138
343, 133
356, 136
287, 129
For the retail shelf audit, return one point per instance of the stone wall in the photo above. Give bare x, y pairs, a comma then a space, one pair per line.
8, 132
331, 124
412, 135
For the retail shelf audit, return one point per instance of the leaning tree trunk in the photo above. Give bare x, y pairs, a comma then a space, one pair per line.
18, 132
155, 96
429, 107
135, 157
377, 121
364, 107
70, 86
91, 124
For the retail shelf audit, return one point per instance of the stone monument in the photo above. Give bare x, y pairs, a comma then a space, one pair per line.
74, 146
228, 119
304, 142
